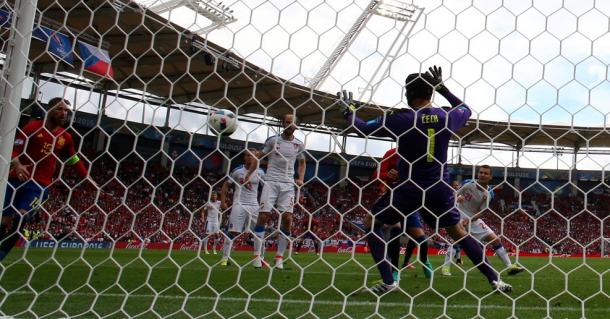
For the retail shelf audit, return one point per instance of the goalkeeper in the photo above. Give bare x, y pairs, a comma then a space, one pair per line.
422, 134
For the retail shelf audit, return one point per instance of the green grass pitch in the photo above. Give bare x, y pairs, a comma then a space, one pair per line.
181, 284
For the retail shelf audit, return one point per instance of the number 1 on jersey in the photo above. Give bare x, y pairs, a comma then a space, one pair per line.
431, 144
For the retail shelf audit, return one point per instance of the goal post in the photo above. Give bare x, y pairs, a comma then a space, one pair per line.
14, 76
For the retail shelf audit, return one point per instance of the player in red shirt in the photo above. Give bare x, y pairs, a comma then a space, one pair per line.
388, 176
38, 146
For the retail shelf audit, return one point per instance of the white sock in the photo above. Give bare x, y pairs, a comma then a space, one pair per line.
205, 244
282, 244
216, 243
449, 257
226, 248
258, 243
503, 255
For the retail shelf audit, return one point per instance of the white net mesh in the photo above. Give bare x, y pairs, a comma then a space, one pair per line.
126, 228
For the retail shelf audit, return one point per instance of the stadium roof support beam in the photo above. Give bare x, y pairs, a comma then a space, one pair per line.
393, 9
409, 15
215, 11
343, 46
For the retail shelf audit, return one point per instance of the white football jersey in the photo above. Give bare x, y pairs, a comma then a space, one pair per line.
246, 194
282, 155
476, 199
213, 211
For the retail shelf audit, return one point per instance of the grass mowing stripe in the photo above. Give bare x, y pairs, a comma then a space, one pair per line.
294, 270
316, 301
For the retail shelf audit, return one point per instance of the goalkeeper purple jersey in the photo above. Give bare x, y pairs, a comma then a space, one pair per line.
423, 138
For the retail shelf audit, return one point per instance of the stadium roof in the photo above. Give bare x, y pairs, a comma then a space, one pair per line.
154, 55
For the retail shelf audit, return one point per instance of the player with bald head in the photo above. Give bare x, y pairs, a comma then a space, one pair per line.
282, 151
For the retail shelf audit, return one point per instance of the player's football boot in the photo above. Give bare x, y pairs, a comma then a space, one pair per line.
501, 286
427, 268
382, 288
259, 262
224, 262
446, 271
515, 269
279, 262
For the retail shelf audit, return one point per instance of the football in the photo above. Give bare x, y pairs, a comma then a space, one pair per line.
222, 122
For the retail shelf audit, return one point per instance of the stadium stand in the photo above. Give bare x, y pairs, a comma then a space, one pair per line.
132, 209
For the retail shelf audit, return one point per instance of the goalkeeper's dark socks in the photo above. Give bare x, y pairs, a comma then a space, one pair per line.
409, 252
423, 249
394, 246
377, 247
475, 252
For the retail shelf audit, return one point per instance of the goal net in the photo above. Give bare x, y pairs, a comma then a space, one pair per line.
137, 208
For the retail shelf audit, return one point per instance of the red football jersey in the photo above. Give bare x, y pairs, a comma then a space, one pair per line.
43, 149
388, 162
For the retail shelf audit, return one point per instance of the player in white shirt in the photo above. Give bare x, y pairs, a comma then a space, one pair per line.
211, 216
244, 211
281, 151
473, 200
453, 249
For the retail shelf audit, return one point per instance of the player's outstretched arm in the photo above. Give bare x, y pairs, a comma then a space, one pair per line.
376, 127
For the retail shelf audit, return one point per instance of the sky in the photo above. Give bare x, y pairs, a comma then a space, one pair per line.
537, 61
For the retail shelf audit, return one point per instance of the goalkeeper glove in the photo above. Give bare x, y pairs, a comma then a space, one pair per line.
347, 105
436, 78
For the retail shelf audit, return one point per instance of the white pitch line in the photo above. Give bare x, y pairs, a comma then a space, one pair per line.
322, 302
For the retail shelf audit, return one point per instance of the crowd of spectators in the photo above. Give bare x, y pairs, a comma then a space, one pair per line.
146, 201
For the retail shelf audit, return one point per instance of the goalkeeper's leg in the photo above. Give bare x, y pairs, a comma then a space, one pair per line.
377, 246
383, 214
394, 248
415, 230
411, 245
473, 250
